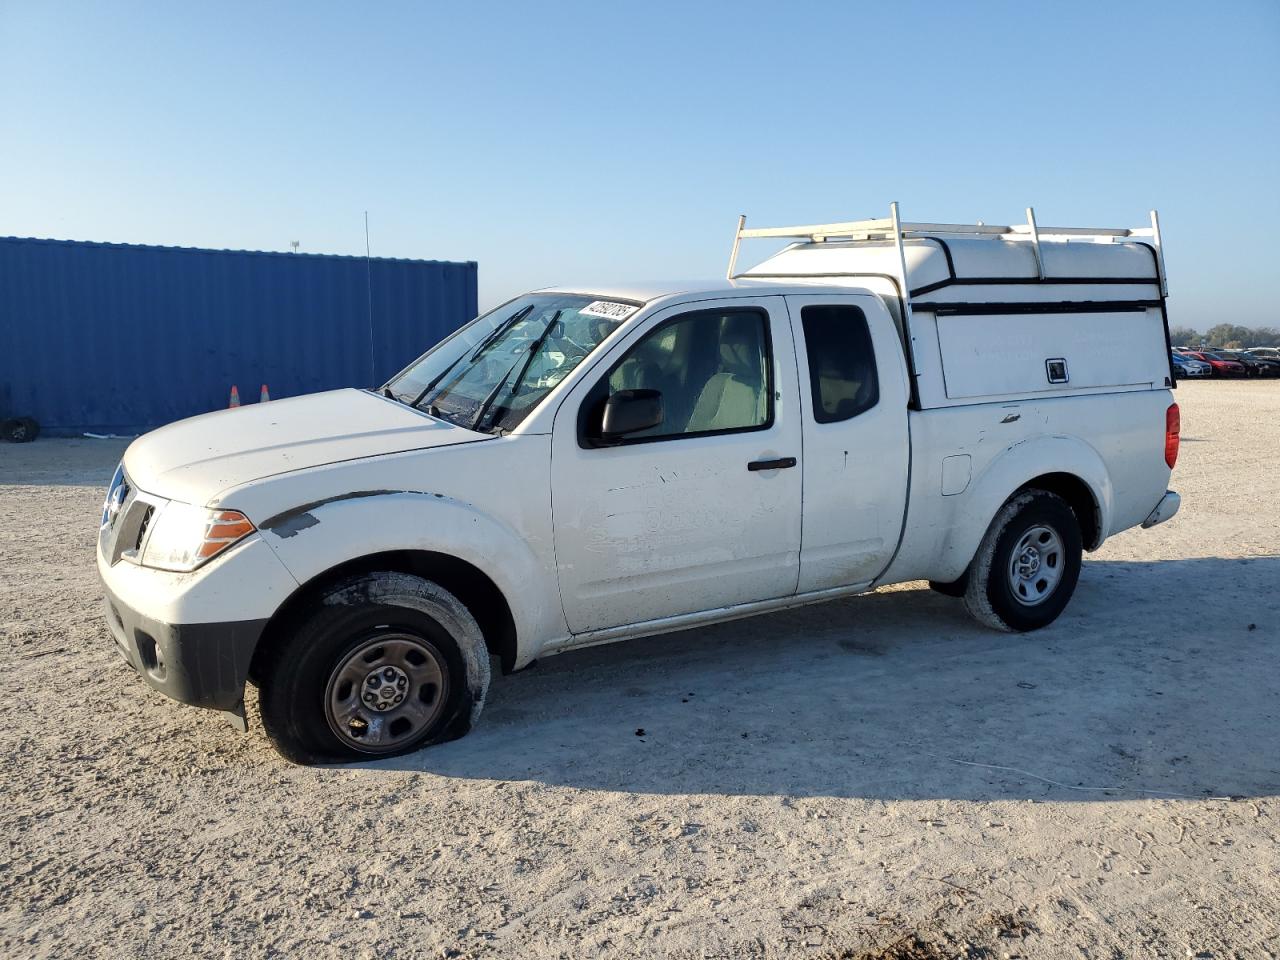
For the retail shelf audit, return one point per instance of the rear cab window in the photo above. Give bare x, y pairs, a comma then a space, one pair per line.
842, 364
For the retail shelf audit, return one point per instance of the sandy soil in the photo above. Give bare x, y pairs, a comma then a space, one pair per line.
878, 774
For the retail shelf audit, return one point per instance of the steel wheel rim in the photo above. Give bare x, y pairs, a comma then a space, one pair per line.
1036, 565
368, 716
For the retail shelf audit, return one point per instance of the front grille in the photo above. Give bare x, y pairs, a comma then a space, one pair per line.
143, 526
128, 529
127, 516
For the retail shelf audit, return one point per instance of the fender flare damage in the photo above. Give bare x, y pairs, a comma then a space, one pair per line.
289, 523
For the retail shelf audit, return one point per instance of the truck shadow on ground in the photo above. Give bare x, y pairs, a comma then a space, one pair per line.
1138, 691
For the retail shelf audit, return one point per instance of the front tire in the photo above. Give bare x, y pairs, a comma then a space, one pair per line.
1027, 565
386, 664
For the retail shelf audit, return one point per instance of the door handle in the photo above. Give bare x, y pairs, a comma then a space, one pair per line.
780, 464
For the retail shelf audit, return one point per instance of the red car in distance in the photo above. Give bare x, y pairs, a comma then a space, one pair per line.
1221, 366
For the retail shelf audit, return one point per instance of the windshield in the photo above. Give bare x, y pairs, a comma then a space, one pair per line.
493, 372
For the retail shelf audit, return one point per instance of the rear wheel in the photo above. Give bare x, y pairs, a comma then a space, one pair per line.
388, 663
1027, 565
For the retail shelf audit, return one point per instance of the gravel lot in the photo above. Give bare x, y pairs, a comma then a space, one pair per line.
877, 774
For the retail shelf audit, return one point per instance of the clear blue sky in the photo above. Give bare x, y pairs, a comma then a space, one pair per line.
554, 142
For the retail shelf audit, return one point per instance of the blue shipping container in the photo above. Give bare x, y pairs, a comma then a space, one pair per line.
116, 338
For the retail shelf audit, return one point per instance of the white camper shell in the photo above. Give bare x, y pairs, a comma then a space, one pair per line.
997, 312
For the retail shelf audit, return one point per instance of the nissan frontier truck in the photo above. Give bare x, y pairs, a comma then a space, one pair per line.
878, 402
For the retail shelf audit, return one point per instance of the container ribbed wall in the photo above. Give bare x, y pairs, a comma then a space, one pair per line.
116, 338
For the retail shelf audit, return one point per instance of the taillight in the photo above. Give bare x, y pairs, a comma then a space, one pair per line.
1172, 430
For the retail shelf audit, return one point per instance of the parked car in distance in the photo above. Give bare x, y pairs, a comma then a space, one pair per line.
1258, 366
1252, 367
1221, 366
1272, 362
1272, 352
1189, 366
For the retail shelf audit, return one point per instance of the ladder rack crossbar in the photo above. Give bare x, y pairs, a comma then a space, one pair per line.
883, 229
898, 231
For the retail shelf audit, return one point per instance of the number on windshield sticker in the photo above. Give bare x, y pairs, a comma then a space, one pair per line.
608, 309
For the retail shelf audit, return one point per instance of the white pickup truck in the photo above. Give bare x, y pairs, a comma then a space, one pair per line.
878, 402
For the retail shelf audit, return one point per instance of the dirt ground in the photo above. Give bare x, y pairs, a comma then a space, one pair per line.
877, 777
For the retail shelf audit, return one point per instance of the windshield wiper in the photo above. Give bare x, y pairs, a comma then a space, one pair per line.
502, 328
488, 400
528, 361
484, 344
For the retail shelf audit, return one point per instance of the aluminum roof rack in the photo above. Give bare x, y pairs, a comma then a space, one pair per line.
892, 228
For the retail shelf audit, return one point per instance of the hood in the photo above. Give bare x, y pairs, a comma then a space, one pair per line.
194, 460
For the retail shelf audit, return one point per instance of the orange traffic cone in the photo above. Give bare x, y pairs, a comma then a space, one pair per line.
264, 396
235, 397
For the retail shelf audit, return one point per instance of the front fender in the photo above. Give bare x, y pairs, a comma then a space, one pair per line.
313, 538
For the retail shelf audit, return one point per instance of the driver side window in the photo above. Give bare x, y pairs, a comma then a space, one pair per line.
712, 367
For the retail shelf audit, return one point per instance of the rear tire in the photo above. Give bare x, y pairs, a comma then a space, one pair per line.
386, 664
1027, 565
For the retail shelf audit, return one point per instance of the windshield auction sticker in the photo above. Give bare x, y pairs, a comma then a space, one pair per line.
608, 309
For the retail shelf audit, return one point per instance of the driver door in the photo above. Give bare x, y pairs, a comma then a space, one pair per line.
701, 511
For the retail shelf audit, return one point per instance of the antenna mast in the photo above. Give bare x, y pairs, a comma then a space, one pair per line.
368, 279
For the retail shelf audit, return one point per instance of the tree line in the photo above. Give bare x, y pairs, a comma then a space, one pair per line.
1229, 336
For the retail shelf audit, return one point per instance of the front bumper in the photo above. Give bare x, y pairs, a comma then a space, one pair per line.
1165, 509
174, 628
203, 664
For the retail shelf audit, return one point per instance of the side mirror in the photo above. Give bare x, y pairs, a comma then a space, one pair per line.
630, 411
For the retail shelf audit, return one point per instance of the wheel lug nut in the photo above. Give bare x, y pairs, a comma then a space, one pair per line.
389, 673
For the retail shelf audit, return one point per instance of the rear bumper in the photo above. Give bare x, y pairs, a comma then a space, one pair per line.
203, 664
1165, 509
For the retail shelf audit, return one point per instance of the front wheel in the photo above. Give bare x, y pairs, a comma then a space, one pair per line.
387, 663
1027, 565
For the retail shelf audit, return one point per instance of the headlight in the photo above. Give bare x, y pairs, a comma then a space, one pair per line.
182, 537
